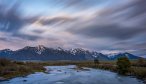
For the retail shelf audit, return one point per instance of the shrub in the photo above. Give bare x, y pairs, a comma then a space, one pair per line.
4, 62
96, 61
141, 62
139, 72
123, 65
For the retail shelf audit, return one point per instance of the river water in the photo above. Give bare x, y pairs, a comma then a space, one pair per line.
70, 75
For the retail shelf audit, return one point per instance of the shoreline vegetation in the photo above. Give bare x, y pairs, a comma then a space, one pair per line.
10, 69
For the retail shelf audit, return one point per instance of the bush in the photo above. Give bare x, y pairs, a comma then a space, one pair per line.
4, 62
123, 65
139, 72
96, 61
141, 62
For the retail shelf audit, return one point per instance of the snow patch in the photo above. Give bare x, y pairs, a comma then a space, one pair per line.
40, 49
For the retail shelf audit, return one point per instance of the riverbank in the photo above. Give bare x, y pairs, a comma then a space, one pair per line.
10, 69
72, 74
135, 71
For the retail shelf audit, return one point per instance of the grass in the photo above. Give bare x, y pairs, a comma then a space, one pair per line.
9, 69
138, 70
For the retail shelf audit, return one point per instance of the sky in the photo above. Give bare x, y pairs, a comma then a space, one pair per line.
107, 26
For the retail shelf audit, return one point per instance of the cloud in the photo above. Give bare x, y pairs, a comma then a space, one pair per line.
107, 25
109, 31
80, 4
11, 21
116, 23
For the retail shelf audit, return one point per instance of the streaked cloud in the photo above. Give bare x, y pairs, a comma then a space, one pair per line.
102, 25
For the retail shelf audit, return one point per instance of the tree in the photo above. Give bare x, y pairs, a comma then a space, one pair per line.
96, 61
123, 65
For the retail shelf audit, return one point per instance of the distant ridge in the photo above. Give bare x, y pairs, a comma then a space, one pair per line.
43, 53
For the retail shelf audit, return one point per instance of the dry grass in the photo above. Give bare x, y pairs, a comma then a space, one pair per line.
9, 69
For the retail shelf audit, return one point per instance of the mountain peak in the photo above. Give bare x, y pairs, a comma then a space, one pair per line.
125, 54
40, 49
6, 50
41, 46
43, 53
27, 47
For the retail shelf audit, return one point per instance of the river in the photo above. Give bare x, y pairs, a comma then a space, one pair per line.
70, 75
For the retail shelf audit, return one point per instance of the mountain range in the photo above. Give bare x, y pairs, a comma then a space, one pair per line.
43, 53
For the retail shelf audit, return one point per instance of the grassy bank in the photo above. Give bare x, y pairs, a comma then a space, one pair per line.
138, 70
9, 69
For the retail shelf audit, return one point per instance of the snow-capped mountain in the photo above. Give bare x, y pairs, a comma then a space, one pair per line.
115, 56
40, 49
6, 53
43, 53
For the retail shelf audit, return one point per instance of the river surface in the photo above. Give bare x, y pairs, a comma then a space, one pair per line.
70, 75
